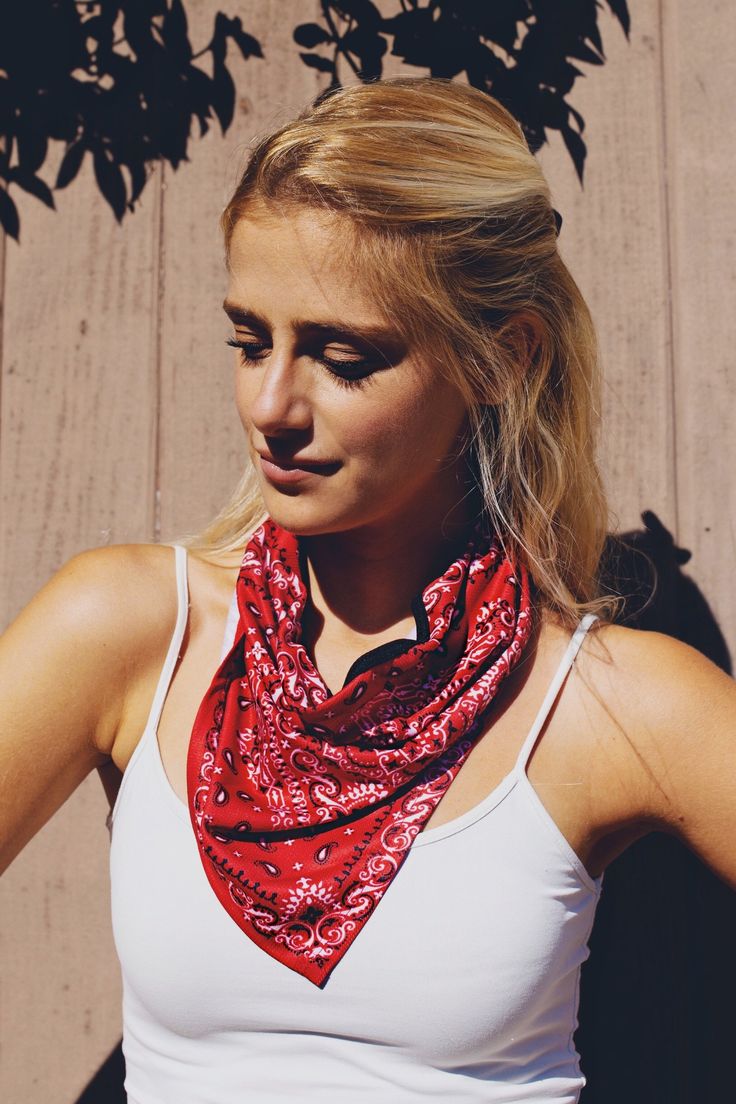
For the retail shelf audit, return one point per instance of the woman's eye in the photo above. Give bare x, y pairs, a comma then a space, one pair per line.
249, 350
252, 351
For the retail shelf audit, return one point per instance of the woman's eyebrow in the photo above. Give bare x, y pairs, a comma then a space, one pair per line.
240, 316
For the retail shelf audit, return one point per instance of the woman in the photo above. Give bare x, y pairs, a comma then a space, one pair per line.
361, 860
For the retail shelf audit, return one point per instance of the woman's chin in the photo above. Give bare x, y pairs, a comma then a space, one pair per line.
304, 519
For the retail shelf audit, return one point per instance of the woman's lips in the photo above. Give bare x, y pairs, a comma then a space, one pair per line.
290, 473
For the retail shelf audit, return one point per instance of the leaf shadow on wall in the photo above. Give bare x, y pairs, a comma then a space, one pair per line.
522, 53
120, 83
116, 82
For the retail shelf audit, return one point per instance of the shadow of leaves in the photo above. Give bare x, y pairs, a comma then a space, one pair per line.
523, 52
118, 82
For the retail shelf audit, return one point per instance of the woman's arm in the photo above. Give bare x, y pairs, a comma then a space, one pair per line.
64, 665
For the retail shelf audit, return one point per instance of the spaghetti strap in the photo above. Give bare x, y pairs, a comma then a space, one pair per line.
559, 677
231, 625
151, 728
174, 651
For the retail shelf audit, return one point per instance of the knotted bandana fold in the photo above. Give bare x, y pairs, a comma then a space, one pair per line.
305, 802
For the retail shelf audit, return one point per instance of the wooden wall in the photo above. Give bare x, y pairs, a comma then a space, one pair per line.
117, 422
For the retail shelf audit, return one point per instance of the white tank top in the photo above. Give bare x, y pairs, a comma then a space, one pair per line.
463, 986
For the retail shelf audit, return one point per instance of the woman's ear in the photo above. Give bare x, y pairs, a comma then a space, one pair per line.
520, 334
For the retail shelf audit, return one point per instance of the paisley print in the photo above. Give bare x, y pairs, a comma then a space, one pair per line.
305, 802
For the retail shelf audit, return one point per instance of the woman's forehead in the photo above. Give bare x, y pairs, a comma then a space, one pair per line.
298, 220
311, 268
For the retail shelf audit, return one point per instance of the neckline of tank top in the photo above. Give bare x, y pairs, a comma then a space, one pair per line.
517, 775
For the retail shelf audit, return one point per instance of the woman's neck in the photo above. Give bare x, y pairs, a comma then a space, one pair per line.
362, 581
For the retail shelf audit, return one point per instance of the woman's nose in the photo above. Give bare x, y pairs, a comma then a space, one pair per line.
281, 401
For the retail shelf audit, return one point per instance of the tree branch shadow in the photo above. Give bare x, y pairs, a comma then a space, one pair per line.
118, 81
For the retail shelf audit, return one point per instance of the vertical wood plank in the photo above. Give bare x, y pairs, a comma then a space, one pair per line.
203, 446
76, 471
699, 76
614, 240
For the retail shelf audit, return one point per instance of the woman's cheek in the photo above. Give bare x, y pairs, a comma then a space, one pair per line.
369, 432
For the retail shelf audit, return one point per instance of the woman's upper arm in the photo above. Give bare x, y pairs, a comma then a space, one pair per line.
686, 731
64, 664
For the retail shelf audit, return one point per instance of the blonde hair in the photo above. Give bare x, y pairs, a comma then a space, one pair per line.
453, 233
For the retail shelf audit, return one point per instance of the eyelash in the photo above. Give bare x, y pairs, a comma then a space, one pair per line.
248, 349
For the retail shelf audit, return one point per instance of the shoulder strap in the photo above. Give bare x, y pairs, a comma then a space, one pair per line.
231, 626
173, 653
554, 687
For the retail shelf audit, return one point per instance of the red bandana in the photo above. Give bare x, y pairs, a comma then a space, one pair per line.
305, 803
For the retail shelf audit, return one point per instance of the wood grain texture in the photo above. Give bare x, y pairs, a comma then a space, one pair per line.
614, 240
698, 82
76, 471
202, 442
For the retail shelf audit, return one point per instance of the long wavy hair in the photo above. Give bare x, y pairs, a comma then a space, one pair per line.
454, 237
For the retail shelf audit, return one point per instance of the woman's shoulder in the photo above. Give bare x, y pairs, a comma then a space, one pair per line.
642, 668
82, 637
109, 589
145, 576
655, 707
126, 597
123, 590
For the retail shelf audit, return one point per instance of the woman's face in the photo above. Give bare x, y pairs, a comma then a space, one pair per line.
327, 381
